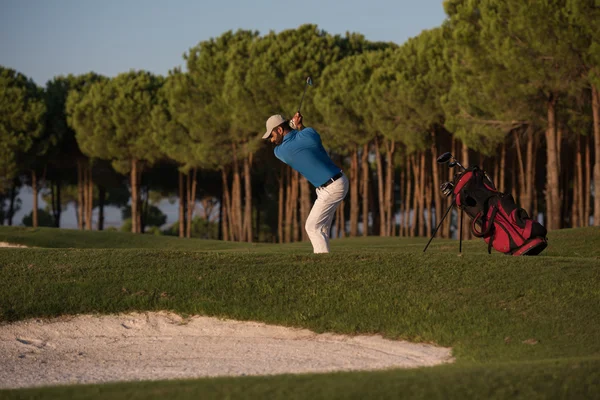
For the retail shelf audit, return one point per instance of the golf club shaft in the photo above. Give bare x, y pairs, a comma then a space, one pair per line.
302, 99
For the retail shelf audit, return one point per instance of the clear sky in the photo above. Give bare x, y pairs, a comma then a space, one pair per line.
45, 38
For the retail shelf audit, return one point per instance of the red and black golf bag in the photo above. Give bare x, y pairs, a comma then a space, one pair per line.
495, 217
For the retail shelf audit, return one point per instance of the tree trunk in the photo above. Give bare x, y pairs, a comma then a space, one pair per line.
226, 206
578, 186
447, 226
402, 201
535, 208
408, 219
374, 205
13, 197
90, 199
437, 196
281, 204
422, 175
354, 210
389, 188
191, 199
552, 180
568, 199
342, 220
34, 188
188, 202
596, 114
248, 198
140, 207
80, 206
288, 206
86, 192
52, 203
428, 199
522, 177
365, 189
182, 202
194, 195
134, 196
529, 174
144, 207
380, 190
587, 185
236, 194
415, 197
101, 202
563, 199
56, 205
257, 221
465, 160
576, 210
416, 208
304, 205
220, 217
533, 177
294, 210
496, 177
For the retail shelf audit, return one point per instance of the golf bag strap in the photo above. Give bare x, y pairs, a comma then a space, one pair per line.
487, 230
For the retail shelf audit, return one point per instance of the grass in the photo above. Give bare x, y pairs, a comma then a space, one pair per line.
574, 379
520, 327
71, 238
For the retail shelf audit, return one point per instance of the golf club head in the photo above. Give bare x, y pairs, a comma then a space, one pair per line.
447, 188
309, 81
444, 158
452, 164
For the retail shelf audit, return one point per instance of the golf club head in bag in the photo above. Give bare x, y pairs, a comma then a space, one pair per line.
308, 83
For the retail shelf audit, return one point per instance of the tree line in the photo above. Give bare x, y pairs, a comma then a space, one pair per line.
509, 85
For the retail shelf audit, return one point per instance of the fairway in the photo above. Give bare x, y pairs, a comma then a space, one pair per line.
511, 320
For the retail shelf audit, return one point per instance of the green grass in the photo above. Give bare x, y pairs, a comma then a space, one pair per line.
570, 379
71, 238
488, 308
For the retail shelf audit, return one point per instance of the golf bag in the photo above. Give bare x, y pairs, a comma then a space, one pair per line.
495, 217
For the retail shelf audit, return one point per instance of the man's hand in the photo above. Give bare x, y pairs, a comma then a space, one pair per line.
297, 121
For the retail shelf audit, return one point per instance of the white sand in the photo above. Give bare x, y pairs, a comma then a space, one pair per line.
5, 244
151, 346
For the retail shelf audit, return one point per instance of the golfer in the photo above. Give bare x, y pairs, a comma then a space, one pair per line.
301, 149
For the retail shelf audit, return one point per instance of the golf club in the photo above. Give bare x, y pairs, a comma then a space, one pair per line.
306, 85
449, 158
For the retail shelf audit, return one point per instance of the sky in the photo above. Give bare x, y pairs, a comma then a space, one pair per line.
46, 38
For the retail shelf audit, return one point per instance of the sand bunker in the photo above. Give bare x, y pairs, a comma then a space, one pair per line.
152, 346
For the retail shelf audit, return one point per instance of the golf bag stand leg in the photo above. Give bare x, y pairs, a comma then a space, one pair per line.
440, 224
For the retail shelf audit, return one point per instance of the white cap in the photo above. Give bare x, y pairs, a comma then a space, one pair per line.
273, 122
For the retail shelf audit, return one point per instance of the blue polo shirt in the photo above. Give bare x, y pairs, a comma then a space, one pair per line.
304, 152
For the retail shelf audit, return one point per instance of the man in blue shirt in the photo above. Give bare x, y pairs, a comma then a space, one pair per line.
301, 149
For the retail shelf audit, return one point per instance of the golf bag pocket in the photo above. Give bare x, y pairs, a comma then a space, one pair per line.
495, 216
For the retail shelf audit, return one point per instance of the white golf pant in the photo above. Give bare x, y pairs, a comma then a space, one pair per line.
318, 223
